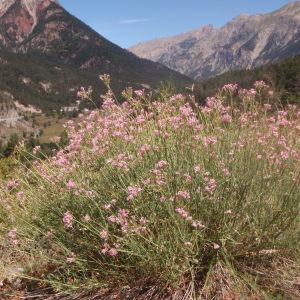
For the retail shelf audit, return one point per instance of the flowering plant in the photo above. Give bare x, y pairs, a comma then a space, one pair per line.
167, 191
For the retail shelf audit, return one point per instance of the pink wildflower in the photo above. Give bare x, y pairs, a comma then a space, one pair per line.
112, 219
260, 85
108, 103
187, 177
133, 192
197, 225
36, 149
144, 149
68, 220
162, 199
197, 169
211, 185
105, 248
71, 184
139, 93
184, 195
230, 87
113, 252
107, 206
104, 234
226, 118
12, 235
267, 106
182, 212
161, 164
209, 140
140, 120
12, 184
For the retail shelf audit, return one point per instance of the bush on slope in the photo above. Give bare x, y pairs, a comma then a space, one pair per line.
168, 195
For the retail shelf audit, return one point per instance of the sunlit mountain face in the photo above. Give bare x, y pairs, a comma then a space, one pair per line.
41, 37
246, 42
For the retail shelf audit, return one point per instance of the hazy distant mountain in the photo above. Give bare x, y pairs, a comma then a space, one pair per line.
246, 42
40, 43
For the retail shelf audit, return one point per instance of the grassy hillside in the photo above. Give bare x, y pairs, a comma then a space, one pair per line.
64, 80
283, 77
162, 200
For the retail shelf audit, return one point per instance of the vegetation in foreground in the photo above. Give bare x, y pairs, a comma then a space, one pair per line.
283, 76
164, 199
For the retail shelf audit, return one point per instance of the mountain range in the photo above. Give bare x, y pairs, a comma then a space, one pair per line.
246, 42
46, 54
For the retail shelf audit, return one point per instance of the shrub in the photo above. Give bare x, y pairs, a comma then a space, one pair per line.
167, 195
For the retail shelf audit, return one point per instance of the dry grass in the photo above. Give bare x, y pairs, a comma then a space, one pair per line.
54, 129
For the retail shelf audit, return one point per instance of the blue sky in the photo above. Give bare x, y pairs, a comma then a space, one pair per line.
127, 22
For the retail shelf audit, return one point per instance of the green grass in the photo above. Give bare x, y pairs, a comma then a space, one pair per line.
163, 198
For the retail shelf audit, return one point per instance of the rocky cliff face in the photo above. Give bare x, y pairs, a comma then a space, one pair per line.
8, 110
18, 20
247, 41
11, 119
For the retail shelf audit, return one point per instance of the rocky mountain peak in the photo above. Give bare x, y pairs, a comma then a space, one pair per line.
245, 42
18, 19
291, 10
31, 5
242, 17
40, 36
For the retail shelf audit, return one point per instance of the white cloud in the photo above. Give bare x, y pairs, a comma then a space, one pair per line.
133, 21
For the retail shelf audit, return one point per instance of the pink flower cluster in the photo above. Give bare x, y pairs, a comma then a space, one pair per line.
230, 88
133, 192
36, 150
12, 184
161, 164
248, 94
144, 149
68, 220
108, 250
70, 185
12, 236
121, 162
160, 152
260, 85
210, 184
187, 217
184, 195
209, 140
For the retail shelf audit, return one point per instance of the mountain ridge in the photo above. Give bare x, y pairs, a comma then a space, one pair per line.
42, 30
247, 41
